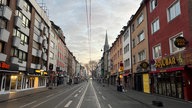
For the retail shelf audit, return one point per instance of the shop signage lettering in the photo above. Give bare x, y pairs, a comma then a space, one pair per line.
180, 42
165, 62
4, 65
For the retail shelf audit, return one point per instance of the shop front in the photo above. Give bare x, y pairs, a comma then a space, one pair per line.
173, 76
8, 77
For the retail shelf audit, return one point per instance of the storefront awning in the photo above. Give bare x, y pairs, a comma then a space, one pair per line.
9, 71
167, 70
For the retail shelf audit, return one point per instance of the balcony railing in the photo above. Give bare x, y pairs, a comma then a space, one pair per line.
16, 41
4, 35
5, 12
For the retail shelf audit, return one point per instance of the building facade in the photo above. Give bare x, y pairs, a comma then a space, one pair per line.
170, 27
24, 44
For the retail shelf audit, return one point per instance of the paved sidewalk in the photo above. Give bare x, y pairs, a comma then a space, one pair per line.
168, 102
19, 94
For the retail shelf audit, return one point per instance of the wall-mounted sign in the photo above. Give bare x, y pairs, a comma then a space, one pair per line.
4, 65
144, 65
180, 42
164, 62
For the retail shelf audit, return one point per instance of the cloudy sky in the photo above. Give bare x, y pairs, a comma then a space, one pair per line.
110, 15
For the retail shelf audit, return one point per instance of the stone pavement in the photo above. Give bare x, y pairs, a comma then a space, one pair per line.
19, 94
145, 98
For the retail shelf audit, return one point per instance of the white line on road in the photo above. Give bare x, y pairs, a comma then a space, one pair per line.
27, 104
109, 106
70, 95
76, 95
69, 103
103, 98
49, 95
99, 106
82, 97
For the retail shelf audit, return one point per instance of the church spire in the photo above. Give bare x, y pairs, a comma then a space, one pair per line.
106, 46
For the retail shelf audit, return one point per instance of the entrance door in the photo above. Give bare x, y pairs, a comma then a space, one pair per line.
7, 82
13, 82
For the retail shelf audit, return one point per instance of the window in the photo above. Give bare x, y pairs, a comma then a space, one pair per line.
132, 28
126, 48
3, 23
25, 21
173, 48
26, 7
127, 62
134, 59
52, 44
174, 10
126, 35
3, 2
153, 4
157, 51
51, 55
140, 19
23, 37
142, 55
1, 47
133, 43
36, 45
20, 54
35, 60
155, 26
141, 37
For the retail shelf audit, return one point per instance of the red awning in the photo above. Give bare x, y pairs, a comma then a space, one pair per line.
167, 70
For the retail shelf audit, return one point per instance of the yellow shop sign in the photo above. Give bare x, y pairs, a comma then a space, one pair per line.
165, 62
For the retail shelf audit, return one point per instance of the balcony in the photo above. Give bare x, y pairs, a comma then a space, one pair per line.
23, 47
20, 4
35, 66
37, 38
4, 35
16, 41
36, 52
3, 57
25, 30
41, 26
5, 12
14, 60
45, 45
45, 56
18, 22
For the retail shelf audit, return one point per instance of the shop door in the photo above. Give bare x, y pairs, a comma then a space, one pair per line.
7, 82
13, 82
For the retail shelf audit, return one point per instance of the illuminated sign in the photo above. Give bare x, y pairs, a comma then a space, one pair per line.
166, 62
180, 42
4, 65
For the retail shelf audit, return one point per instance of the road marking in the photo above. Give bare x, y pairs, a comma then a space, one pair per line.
50, 95
27, 104
99, 106
82, 97
109, 106
67, 98
103, 98
55, 97
69, 103
76, 95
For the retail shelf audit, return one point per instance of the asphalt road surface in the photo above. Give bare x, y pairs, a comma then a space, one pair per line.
84, 95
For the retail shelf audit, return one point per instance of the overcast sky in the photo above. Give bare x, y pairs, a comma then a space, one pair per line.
110, 15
